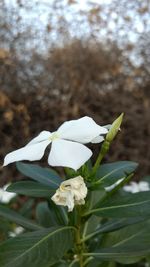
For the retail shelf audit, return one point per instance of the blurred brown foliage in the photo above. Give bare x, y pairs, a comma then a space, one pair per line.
81, 76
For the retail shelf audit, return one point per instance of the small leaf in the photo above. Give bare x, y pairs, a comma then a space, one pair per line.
39, 248
29, 188
43, 175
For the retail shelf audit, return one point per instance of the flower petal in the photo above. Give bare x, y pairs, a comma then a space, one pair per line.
65, 198
83, 130
43, 136
29, 152
108, 126
97, 139
68, 154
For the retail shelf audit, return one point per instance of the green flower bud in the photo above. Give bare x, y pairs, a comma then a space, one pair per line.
115, 127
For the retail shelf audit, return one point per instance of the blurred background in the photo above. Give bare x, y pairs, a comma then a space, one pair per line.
61, 60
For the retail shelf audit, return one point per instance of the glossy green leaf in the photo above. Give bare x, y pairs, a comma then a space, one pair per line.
29, 188
45, 176
133, 205
110, 173
17, 218
39, 248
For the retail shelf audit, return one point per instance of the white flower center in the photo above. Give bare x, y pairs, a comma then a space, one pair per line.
54, 136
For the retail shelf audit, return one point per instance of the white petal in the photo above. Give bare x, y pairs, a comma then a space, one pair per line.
70, 201
32, 152
68, 154
43, 136
65, 198
77, 186
108, 126
5, 196
83, 130
98, 139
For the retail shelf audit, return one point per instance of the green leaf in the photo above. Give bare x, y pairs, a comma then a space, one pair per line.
45, 176
17, 218
58, 213
27, 207
97, 263
44, 215
136, 243
39, 248
133, 205
5, 228
61, 264
123, 237
74, 263
110, 173
90, 226
29, 188
95, 197
113, 225
116, 253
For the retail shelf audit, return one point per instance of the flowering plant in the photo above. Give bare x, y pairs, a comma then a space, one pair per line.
88, 217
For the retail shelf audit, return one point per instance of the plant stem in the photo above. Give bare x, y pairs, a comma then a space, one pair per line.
79, 244
103, 151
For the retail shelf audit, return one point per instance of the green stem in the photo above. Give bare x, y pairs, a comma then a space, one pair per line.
103, 151
97, 163
79, 245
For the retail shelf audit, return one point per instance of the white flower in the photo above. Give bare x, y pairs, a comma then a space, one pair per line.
134, 187
5, 196
71, 192
67, 149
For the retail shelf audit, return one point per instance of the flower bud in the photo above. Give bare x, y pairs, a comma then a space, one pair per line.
115, 127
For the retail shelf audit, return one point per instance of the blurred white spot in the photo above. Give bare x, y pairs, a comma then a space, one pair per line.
134, 187
5, 196
18, 230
